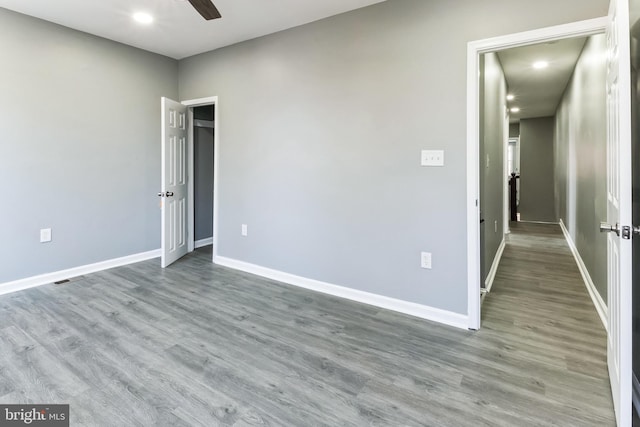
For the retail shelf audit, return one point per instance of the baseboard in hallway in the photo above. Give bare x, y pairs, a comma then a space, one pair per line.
539, 222
598, 302
494, 267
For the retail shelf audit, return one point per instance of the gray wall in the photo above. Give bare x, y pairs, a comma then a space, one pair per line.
203, 183
492, 140
537, 202
514, 130
80, 137
580, 146
321, 128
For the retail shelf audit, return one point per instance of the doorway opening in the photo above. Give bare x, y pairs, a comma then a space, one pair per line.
475, 54
179, 130
203, 179
203, 141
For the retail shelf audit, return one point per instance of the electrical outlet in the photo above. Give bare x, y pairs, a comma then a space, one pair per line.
495, 226
45, 235
425, 260
244, 229
432, 158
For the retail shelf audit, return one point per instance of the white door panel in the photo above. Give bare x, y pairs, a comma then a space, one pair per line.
619, 209
174, 181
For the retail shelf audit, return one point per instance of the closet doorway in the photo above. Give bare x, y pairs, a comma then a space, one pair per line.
203, 158
203, 176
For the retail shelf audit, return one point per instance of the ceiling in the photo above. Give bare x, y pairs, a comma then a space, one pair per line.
178, 30
538, 92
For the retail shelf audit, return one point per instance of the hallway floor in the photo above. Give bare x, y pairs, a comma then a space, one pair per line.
542, 320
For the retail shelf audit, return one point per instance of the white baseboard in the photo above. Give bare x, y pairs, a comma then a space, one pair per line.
601, 307
488, 283
412, 309
539, 222
43, 279
203, 242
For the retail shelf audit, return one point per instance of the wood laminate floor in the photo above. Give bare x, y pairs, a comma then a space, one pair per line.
198, 344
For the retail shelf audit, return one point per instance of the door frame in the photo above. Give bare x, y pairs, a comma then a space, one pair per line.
505, 175
474, 50
191, 104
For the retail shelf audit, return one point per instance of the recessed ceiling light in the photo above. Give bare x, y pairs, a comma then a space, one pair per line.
539, 65
510, 97
143, 18
515, 110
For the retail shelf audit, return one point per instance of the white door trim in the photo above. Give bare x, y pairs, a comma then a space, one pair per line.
191, 103
474, 50
505, 177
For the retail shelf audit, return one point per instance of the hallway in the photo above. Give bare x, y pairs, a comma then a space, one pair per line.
541, 316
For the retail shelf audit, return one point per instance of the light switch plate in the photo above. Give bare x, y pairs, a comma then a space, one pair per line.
45, 235
432, 158
425, 260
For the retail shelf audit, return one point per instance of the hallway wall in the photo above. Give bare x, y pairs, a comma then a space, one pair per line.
514, 130
580, 159
536, 170
492, 139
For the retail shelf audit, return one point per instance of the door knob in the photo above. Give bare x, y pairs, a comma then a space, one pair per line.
161, 194
606, 228
626, 230
169, 193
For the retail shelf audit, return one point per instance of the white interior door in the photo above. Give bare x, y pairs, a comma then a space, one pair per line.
174, 181
619, 209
